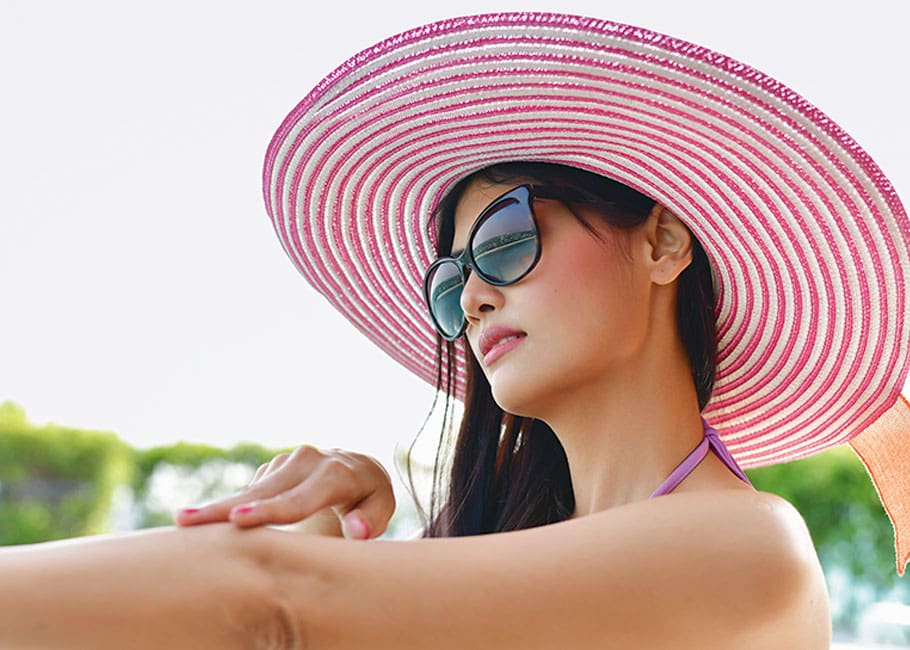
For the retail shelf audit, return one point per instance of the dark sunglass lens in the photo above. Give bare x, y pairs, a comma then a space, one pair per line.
444, 286
505, 244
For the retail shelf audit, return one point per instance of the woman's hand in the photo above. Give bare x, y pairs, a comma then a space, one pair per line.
329, 486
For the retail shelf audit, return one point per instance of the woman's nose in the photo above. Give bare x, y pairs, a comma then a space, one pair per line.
478, 297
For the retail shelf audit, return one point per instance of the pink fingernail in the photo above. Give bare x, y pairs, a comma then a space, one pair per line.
356, 528
189, 511
242, 510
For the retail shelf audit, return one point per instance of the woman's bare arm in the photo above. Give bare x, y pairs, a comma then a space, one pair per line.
721, 569
686, 570
163, 588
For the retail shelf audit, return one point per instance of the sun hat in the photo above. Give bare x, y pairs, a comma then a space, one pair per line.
809, 242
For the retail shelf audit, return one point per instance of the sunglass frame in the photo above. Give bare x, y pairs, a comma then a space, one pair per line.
523, 195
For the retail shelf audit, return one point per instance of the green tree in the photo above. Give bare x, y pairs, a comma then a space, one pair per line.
55, 481
58, 482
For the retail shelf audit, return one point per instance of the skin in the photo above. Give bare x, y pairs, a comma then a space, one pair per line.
625, 572
612, 380
332, 492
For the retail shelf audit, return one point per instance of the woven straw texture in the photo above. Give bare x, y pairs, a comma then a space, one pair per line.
808, 240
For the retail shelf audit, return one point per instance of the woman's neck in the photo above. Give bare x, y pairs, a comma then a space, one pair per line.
624, 435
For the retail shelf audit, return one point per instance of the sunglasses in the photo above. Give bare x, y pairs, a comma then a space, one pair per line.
502, 248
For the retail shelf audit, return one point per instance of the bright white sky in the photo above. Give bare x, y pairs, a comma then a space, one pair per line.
143, 291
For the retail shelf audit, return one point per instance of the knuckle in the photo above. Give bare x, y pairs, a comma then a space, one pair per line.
349, 459
275, 464
304, 452
253, 490
279, 460
335, 468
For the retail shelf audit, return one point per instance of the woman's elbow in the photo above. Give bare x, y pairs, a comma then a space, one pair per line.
284, 588
278, 630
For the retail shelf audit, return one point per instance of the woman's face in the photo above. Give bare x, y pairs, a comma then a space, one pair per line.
572, 323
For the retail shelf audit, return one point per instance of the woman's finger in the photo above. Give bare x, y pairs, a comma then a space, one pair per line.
333, 482
281, 474
355, 526
259, 472
294, 487
342, 482
370, 517
267, 468
273, 466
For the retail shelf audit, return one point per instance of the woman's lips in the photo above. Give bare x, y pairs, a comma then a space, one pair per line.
496, 341
504, 346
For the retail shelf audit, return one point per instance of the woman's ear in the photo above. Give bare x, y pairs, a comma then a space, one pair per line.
670, 245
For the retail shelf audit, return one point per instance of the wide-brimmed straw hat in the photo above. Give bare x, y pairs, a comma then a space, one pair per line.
809, 243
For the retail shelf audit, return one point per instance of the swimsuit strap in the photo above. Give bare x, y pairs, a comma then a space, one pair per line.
711, 441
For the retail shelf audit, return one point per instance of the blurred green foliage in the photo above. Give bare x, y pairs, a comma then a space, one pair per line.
55, 481
58, 482
848, 524
195, 455
183, 474
838, 500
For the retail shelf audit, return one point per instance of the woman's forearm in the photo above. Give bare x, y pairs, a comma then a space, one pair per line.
174, 588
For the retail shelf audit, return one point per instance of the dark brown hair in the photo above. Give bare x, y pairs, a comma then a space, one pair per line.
506, 472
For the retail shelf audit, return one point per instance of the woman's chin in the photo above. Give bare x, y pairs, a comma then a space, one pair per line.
516, 397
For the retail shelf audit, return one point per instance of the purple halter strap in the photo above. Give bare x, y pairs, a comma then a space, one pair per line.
711, 440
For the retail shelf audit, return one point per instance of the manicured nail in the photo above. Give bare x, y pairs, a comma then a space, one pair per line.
242, 510
189, 511
355, 527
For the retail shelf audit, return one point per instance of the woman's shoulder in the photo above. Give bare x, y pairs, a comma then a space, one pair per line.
756, 519
755, 534
743, 550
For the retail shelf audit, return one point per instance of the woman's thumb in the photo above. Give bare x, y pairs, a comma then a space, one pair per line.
355, 526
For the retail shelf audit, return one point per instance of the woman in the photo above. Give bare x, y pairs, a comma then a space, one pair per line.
587, 362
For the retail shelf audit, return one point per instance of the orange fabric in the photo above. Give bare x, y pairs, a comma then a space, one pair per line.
884, 449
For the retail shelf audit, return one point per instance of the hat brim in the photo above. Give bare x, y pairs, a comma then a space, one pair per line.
808, 240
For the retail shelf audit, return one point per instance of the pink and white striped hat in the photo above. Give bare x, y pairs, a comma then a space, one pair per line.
809, 242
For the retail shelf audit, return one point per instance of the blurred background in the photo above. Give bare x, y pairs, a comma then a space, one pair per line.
155, 343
